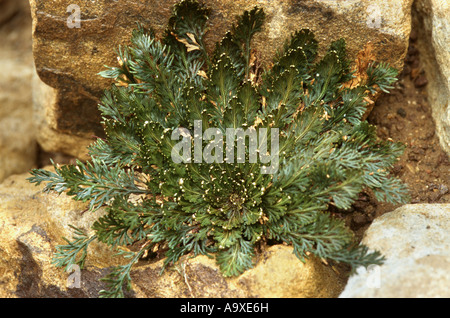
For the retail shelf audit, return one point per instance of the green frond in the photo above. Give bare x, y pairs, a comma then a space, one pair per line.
236, 259
381, 76
74, 252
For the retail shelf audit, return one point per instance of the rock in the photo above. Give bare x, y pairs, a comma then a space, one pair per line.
49, 137
278, 273
433, 28
421, 81
33, 223
18, 146
416, 243
68, 58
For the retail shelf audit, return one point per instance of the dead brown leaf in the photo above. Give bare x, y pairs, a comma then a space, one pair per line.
190, 47
363, 60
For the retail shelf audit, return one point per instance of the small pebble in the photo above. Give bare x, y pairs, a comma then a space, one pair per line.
443, 189
421, 81
401, 112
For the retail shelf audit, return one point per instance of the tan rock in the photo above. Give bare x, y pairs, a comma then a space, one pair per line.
433, 26
18, 146
49, 137
68, 59
278, 273
416, 243
289, 278
32, 224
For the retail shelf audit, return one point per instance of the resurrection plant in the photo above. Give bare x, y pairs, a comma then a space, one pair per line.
312, 150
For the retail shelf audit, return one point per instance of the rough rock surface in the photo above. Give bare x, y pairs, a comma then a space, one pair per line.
415, 240
432, 19
45, 101
33, 223
278, 273
17, 133
68, 59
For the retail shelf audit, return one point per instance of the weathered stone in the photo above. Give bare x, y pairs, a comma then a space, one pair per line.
17, 134
33, 223
278, 273
415, 240
49, 137
68, 59
433, 27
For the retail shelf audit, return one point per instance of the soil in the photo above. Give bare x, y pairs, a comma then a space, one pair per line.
405, 116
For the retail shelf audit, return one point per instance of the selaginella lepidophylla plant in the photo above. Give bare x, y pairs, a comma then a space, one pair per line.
176, 111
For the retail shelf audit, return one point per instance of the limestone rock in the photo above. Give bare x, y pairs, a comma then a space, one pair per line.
17, 133
68, 58
278, 273
33, 223
415, 240
433, 25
